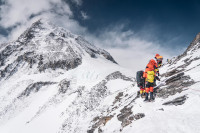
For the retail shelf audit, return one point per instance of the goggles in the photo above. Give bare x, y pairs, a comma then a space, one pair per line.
160, 59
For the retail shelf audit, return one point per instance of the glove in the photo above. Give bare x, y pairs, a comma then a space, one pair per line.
157, 78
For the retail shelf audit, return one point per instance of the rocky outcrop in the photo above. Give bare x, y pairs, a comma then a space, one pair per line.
194, 45
118, 75
118, 97
6, 52
100, 90
172, 72
98, 121
175, 84
35, 87
92, 50
177, 101
126, 116
64, 85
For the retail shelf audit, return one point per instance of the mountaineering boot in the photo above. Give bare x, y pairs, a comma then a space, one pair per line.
138, 94
141, 92
143, 95
151, 96
146, 98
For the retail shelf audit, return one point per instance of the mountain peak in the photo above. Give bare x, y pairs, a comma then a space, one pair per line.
191, 49
195, 44
41, 28
46, 46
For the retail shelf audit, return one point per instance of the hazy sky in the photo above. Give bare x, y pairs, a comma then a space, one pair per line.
132, 31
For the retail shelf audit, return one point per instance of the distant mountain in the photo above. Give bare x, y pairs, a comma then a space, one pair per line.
53, 81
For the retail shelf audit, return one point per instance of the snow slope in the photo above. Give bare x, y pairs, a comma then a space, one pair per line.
56, 82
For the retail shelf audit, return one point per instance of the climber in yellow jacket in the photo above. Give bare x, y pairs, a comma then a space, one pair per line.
150, 76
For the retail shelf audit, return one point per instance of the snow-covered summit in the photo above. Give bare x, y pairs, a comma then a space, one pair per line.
45, 45
45, 37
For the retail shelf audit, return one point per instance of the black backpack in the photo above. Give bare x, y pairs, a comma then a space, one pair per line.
139, 78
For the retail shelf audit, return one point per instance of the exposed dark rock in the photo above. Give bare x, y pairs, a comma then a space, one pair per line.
170, 73
5, 53
109, 57
91, 131
126, 116
194, 45
35, 87
98, 92
63, 64
99, 121
31, 59
118, 97
175, 84
118, 75
161, 109
29, 33
138, 116
174, 78
64, 86
177, 101
12, 68
92, 50
125, 113
100, 130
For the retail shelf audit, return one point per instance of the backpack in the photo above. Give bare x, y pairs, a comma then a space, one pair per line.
139, 78
150, 76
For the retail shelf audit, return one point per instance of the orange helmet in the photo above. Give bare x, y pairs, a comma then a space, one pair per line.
157, 55
151, 65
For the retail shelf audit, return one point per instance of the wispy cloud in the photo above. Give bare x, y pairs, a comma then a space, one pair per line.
84, 15
77, 2
18, 15
128, 49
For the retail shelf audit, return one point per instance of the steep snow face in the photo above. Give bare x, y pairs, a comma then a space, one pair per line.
56, 82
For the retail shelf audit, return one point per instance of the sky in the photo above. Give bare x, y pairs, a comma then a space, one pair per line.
132, 31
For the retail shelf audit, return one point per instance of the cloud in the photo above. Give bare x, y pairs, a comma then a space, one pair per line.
84, 15
20, 14
128, 49
77, 2
16, 12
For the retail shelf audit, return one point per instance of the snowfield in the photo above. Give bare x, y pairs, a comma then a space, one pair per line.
53, 81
